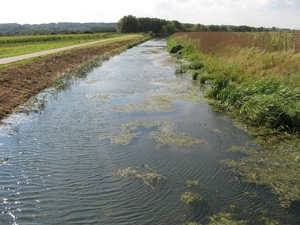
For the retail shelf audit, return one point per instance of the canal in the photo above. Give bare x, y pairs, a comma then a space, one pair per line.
131, 143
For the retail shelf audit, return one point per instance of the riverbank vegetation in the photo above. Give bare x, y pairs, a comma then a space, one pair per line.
254, 77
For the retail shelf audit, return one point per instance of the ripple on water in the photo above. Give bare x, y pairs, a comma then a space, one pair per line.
65, 160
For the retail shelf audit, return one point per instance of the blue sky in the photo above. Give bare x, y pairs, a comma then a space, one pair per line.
257, 13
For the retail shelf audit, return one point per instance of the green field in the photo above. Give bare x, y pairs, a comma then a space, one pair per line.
16, 45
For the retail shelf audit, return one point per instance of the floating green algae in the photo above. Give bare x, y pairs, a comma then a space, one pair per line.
163, 136
276, 164
176, 139
193, 223
154, 103
149, 176
166, 81
190, 197
225, 219
192, 183
125, 137
128, 131
188, 93
101, 97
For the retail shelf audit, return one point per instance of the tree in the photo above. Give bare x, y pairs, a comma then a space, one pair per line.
128, 24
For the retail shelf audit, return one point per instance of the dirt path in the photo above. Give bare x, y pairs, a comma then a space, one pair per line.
19, 83
47, 52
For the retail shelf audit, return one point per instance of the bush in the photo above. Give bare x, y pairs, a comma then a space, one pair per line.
176, 48
196, 66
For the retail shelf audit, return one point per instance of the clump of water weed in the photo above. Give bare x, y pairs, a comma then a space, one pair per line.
166, 81
189, 94
225, 219
192, 183
276, 164
269, 221
101, 97
125, 137
127, 134
190, 197
149, 176
193, 223
176, 139
156, 103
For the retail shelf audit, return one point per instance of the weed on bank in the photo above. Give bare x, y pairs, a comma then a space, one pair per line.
255, 77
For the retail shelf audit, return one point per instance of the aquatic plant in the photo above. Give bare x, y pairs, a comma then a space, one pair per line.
176, 139
193, 223
190, 197
101, 97
127, 134
189, 93
225, 219
155, 103
150, 178
275, 164
123, 138
192, 183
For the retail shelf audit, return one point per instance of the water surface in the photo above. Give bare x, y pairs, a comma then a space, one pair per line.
58, 167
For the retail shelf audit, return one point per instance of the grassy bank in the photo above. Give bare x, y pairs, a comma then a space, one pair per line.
255, 77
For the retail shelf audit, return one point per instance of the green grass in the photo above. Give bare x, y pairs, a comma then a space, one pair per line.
13, 46
47, 46
259, 85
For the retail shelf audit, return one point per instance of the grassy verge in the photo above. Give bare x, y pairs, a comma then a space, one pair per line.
47, 46
12, 46
256, 79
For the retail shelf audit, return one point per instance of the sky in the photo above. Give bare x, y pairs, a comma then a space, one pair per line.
256, 13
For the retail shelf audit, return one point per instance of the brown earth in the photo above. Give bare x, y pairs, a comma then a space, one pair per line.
19, 83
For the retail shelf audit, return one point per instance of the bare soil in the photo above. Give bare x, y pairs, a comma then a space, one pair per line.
19, 83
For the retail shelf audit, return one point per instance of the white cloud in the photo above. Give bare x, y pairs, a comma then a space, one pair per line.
285, 13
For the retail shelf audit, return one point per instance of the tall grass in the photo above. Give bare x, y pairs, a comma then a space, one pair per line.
267, 41
256, 75
263, 103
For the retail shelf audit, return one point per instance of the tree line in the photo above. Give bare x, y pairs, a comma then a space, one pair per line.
132, 24
127, 24
8, 29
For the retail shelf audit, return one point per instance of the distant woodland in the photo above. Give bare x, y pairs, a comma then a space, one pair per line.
127, 24
11, 29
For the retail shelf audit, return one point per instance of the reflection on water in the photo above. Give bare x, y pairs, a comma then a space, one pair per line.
72, 162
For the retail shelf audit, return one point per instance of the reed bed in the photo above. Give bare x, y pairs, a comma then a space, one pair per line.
209, 42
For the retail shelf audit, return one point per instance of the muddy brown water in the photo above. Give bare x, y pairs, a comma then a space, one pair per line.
119, 146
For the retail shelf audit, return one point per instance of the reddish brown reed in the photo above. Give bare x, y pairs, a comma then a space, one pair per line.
212, 42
